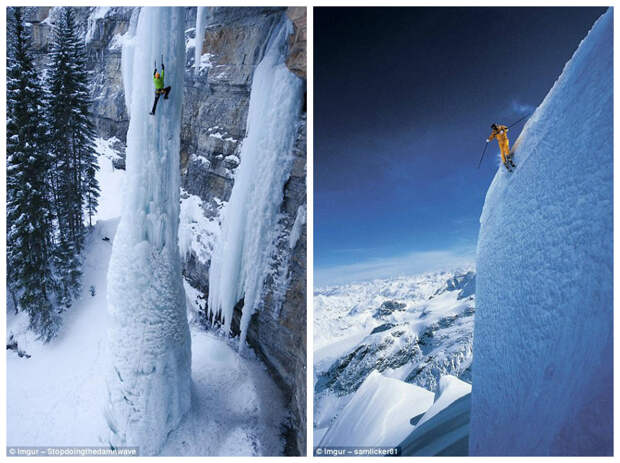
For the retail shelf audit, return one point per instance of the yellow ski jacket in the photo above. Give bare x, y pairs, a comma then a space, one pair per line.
500, 134
502, 139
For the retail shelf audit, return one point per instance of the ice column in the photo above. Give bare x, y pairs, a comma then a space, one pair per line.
249, 222
149, 344
201, 23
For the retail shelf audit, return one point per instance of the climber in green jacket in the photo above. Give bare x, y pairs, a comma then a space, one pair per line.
158, 80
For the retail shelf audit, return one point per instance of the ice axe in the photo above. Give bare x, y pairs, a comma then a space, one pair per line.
483, 151
511, 125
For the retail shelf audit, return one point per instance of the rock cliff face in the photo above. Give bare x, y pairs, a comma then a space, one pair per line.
102, 28
216, 100
296, 61
235, 40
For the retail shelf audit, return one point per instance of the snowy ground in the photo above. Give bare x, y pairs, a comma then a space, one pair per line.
110, 179
55, 397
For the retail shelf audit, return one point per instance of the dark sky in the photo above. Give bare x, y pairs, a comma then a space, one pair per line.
403, 102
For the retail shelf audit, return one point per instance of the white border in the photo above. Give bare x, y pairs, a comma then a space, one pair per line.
310, 215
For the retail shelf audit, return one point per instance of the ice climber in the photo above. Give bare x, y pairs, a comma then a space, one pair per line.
499, 133
158, 80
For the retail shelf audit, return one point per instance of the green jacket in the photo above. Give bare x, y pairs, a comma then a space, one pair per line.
159, 83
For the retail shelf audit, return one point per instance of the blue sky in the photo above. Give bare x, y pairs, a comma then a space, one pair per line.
403, 101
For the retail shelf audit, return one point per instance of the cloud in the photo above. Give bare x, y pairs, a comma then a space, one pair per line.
410, 264
521, 108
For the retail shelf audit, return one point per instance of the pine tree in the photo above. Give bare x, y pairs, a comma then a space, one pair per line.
29, 215
74, 182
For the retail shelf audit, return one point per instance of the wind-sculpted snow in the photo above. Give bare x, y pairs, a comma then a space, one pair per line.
378, 414
388, 412
450, 389
250, 219
149, 343
414, 329
543, 368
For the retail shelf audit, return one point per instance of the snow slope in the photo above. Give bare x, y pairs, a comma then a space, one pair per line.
444, 428
542, 377
450, 389
149, 372
113, 179
390, 412
378, 414
61, 381
237, 409
56, 396
446, 433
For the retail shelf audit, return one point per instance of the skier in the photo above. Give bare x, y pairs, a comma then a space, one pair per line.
158, 80
499, 132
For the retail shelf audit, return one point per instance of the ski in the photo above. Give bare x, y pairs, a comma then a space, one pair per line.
510, 165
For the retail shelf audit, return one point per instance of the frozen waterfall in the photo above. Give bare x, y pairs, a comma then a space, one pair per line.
243, 253
201, 24
149, 378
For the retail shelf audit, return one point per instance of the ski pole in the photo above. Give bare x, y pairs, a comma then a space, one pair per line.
483, 151
515, 123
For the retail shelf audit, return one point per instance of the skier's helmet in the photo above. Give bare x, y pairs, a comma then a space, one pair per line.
157, 75
494, 126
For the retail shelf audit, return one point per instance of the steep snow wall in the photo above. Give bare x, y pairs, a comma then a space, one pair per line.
543, 362
245, 246
149, 345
